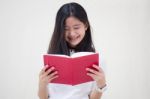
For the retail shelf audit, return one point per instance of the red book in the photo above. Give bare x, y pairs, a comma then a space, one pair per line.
72, 69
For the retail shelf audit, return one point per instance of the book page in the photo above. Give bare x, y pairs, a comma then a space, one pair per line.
58, 55
78, 54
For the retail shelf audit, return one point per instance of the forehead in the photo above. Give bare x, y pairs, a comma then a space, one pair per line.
71, 21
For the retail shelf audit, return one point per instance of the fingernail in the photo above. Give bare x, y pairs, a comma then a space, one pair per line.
93, 65
46, 65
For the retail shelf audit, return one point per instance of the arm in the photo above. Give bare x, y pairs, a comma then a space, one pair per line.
95, 95
43, 92
45, 77
99, 77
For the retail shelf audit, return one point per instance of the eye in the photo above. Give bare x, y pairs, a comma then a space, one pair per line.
66, 29
76, 27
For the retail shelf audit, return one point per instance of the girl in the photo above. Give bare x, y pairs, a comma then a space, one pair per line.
72, 33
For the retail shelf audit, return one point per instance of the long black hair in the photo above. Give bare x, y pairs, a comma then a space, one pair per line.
58, 44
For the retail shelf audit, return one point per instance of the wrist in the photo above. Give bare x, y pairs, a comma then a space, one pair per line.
42, 86
102, 86
101, 89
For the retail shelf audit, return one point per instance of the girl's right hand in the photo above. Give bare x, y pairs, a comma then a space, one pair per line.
46, 76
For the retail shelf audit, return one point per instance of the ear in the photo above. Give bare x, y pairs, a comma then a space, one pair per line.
86, 26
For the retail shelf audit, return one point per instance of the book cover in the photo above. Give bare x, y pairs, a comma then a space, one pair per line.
72, 69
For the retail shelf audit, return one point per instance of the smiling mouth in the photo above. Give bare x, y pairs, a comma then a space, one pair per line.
73, 39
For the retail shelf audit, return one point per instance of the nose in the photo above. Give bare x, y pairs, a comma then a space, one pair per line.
72, 33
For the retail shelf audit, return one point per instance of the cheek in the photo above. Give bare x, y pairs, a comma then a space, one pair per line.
82, 33
66, 37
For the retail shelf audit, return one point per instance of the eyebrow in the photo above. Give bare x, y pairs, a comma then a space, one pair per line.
74, 25
77, 25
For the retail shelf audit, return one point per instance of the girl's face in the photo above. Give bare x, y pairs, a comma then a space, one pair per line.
74, 31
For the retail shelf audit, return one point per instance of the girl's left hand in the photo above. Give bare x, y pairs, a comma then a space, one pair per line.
98, 75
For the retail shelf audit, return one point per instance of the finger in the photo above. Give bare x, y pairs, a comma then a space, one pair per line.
101, 70
52, 74
56, 76
96, 67
45, 67
43, 70
91, 75
92, 71
49, 71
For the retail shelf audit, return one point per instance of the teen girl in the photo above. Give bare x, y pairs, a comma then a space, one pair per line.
72, 33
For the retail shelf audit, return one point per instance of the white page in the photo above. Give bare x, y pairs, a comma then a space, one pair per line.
76, 54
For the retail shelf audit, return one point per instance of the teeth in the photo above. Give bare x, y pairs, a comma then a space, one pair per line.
73, 39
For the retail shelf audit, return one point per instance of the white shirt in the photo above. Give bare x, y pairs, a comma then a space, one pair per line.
63, 91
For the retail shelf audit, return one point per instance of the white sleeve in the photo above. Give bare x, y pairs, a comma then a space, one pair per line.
102, 64
102, 61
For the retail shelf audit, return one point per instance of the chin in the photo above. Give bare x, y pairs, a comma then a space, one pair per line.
73, 45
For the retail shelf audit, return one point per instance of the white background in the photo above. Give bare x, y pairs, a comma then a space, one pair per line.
121, 30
